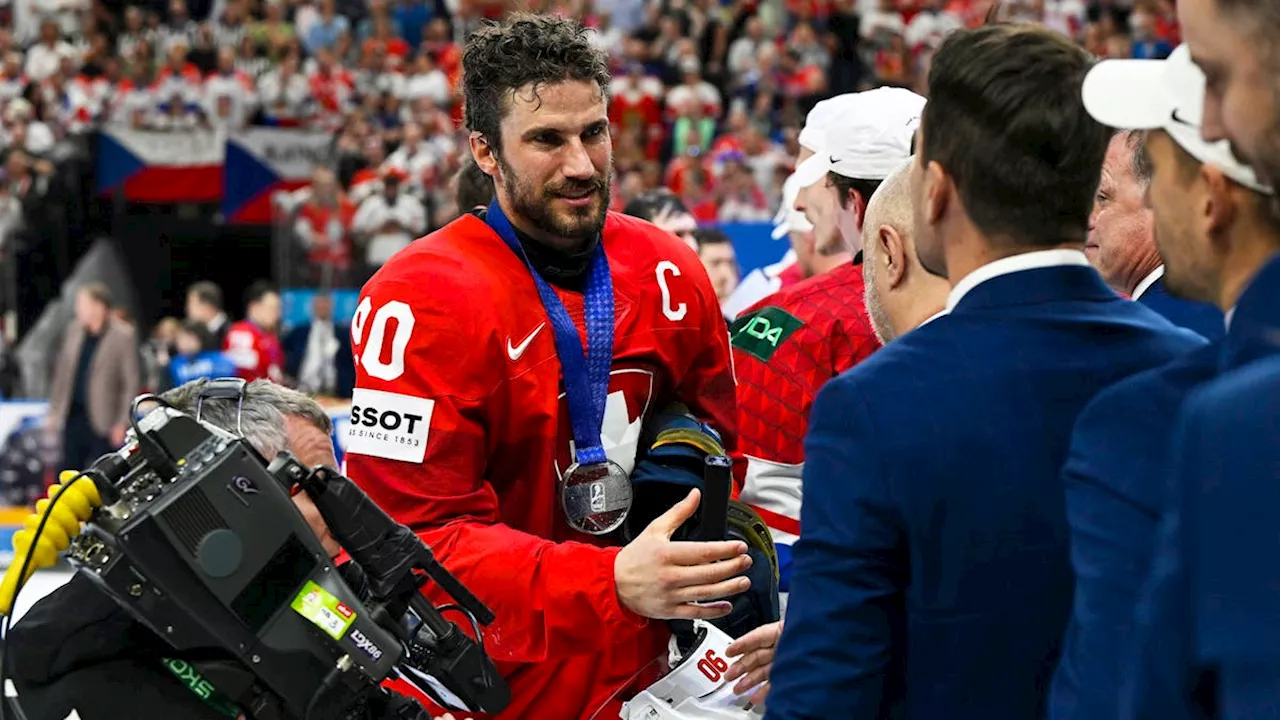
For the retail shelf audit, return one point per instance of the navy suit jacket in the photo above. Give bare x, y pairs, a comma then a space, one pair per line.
1209, 618
932, 578
1117, 492
1201, 318
1211, 625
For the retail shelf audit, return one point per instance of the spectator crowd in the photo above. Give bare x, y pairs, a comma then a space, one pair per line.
1083, 256
707, 99
101, 365
707, 102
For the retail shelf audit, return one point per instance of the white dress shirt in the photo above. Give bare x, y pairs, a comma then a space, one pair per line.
1147, 282
1012, 264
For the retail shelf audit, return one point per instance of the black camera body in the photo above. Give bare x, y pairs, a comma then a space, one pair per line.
199, 540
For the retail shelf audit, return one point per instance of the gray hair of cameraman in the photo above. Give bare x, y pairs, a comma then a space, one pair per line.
262, 419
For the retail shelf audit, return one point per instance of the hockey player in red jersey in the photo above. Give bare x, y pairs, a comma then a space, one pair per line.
789, 344
251, 344
510, 362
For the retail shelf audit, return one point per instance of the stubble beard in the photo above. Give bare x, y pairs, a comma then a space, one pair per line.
575, 227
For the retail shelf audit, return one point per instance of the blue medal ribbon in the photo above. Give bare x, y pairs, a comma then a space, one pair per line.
586, 374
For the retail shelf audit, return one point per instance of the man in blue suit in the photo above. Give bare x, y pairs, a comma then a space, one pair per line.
1122, 245
1216, 235
932, 580
1208, 626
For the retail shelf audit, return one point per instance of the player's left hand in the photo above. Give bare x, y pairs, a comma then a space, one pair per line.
756, 650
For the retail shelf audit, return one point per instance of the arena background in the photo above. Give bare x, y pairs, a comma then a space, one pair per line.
135, 156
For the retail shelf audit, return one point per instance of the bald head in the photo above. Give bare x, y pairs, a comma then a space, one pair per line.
890, 205
900, 294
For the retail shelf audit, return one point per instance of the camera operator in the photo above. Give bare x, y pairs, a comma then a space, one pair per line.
77, 649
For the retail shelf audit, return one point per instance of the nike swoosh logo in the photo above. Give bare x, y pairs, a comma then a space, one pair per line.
516, 351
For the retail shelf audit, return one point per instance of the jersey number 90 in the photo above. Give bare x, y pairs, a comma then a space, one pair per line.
370, 355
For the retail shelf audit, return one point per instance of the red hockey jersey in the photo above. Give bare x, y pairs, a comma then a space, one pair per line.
785, 348
460, 430
255, 352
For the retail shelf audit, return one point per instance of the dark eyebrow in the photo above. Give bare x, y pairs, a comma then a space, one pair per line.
541, 130
536, 131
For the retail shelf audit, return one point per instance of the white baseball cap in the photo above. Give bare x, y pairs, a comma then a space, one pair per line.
1165, 95
788, 219
869, 139
813, 136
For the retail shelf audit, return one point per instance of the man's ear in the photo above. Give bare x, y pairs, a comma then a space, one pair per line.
485, 155
892, 255
859, 206
938, 193
1217, 210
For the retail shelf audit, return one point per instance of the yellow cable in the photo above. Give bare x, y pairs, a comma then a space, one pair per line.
68, 504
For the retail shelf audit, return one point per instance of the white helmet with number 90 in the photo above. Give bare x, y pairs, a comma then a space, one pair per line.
695, 689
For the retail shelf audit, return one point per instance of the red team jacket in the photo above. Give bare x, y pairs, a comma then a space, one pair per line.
255, 352
785, 348
460, 430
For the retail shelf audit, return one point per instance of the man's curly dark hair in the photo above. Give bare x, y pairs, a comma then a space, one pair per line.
523, 49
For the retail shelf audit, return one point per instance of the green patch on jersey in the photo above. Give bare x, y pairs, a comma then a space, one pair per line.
762, 332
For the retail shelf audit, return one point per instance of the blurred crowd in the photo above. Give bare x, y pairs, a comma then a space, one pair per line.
707, 102
707, 97
102, 363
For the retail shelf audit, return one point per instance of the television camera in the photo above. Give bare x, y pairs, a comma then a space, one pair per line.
194, 534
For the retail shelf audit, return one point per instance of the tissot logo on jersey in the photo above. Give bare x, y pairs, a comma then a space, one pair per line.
386, 419
389, 425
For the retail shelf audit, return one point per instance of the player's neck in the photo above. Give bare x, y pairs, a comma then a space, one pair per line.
553, 243
565, 268
826, 263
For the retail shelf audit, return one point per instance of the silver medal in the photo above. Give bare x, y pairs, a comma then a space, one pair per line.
595, 498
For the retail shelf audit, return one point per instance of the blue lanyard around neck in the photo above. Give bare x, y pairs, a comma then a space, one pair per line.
586, 374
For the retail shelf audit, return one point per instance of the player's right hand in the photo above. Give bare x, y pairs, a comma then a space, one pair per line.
664, 580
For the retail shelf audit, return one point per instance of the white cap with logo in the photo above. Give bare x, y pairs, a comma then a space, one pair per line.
1162, 95
788, 219
865, 135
